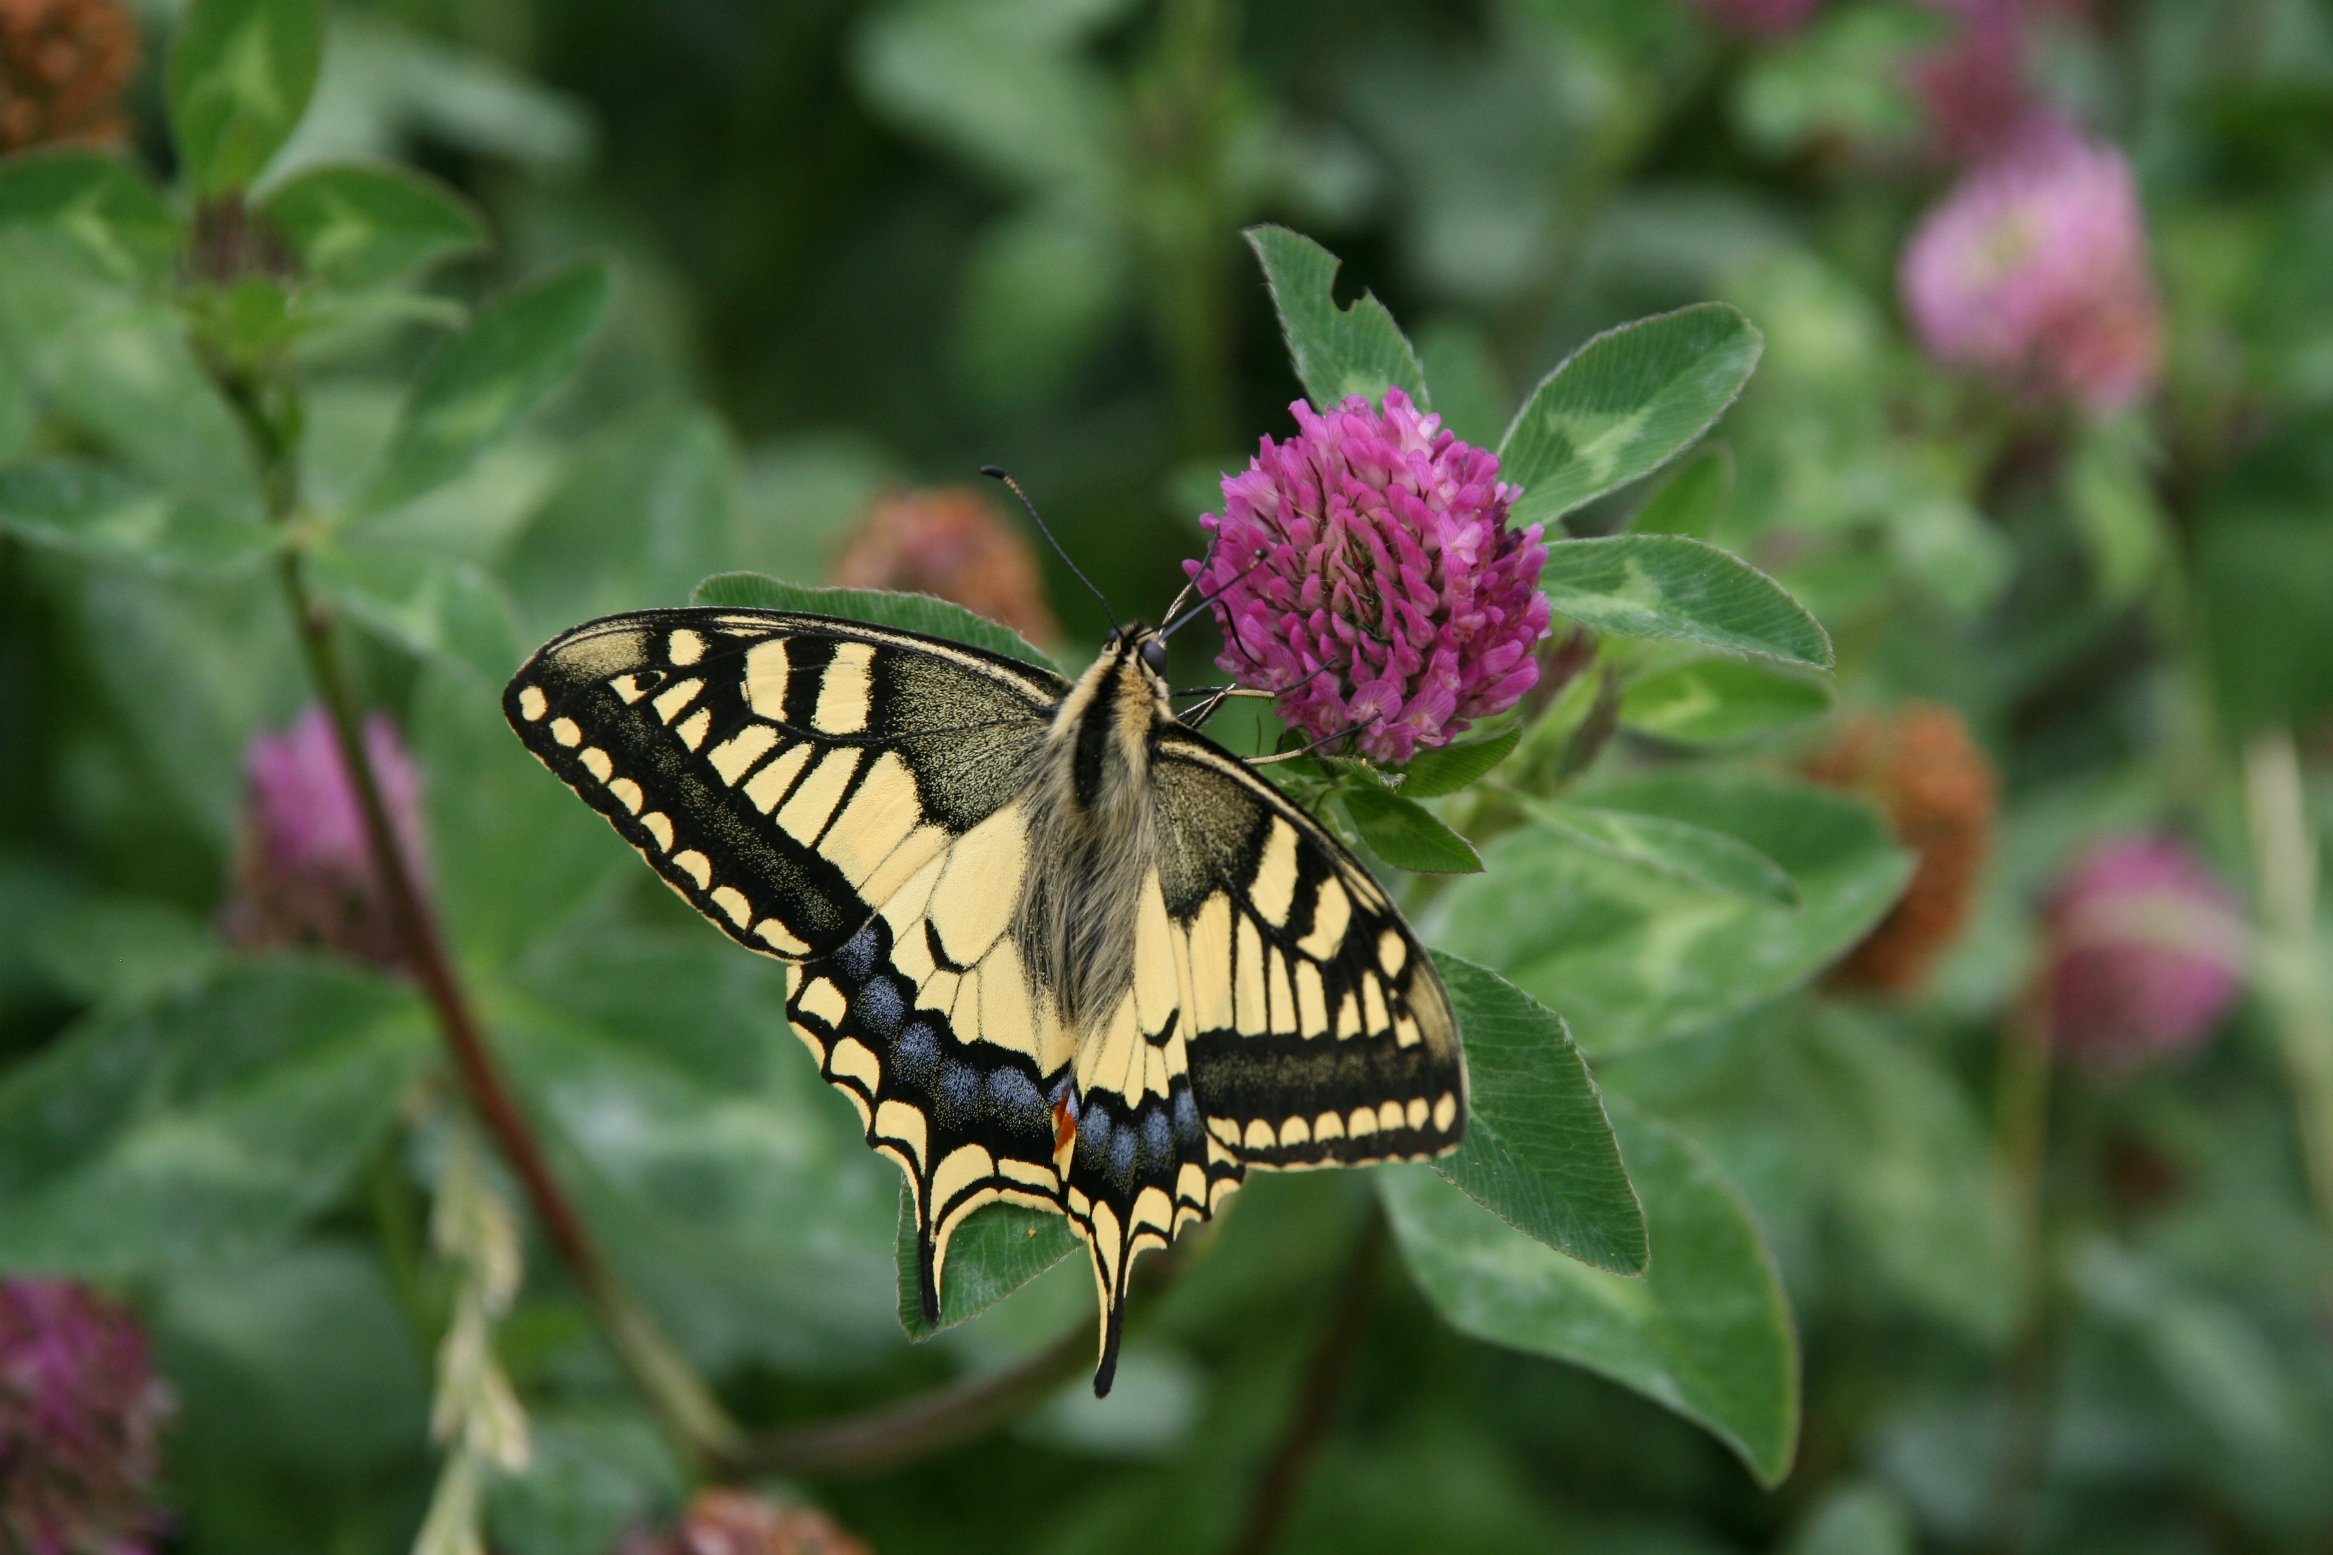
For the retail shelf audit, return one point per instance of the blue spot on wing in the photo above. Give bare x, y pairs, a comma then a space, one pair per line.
879, 1008
1018, 1102
916, 1055
1158, 1142
856, 958
959, 1093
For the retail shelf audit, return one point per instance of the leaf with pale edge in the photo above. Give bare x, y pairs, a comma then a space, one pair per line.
96, 512
241, 73
1539, 1152
877, 607
994, 1253
1623, 405
1337, 351
1669, 586
358, 226
510, 359
1679, 849
1720, 701
1406, 834
1634, 955
423, 600
1705, 1330
99, 204
1448, 768
205, 1126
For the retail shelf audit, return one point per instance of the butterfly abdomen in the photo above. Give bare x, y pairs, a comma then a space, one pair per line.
1092, 841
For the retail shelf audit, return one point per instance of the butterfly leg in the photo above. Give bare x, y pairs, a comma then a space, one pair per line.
1197, 717
1326, 739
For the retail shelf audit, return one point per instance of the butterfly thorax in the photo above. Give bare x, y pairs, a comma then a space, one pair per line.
1093, 834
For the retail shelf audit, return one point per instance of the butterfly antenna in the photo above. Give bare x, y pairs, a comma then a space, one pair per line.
1206, 561
1206, 601
996, 474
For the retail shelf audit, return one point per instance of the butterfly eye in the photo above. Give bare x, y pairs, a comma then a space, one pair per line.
1154, 656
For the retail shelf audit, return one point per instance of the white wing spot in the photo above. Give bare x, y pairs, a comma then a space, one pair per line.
844, 690
565, 732
672, 700
852, 1059
696, 866
1332, 910
658, 826
595, 761
766, 672
685, 647
532, 704
779, 938
1274, 890
733, 756
821, 998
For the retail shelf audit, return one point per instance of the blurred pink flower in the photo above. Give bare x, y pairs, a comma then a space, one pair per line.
1364, 571
1978, 88
303, 872
2035, 269
81, 1420
2146, 953
1762, 18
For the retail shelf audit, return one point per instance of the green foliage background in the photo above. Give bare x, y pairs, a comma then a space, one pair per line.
601, 300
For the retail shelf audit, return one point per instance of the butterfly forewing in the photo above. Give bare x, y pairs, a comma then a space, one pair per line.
865, 805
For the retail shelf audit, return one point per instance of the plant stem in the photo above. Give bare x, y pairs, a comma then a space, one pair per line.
2023, 1141
1317, 1396
686, 1407
2290, 966
890, 1435
1186, 124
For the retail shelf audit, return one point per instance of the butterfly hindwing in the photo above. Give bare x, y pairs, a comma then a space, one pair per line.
1320, 1033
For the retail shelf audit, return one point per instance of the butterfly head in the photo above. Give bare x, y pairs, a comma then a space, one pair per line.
1143, 645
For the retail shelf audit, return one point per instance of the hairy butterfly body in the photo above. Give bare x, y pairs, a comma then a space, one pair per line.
1057, 947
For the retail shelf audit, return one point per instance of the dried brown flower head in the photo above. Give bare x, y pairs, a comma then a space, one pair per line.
950, 541
1938, 790
63, 64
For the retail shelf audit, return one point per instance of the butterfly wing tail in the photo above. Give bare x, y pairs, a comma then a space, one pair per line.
1113, 1329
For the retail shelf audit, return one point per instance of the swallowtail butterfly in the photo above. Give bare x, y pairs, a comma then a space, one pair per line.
1056, 946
